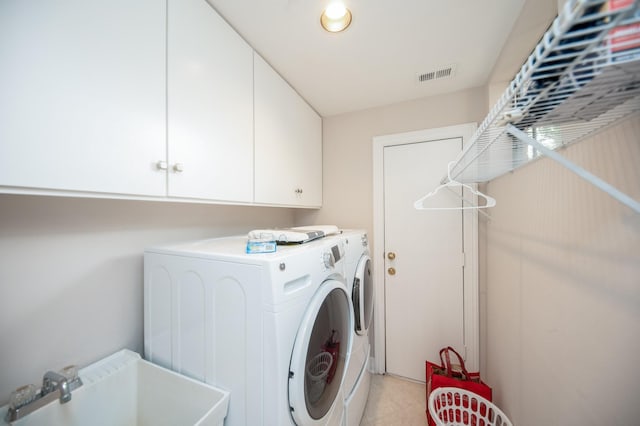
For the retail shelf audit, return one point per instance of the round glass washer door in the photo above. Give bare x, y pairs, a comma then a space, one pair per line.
319, 355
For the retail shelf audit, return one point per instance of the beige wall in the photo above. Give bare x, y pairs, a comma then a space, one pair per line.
71, 274
347, 151
563, 288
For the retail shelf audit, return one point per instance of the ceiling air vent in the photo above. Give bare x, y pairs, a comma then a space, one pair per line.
444, 72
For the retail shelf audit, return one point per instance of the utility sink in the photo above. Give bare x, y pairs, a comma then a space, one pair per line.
125, 390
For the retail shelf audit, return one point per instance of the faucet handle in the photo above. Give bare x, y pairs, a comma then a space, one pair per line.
23, 396
70, 372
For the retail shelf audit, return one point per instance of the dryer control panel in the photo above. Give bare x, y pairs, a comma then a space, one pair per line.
332, 256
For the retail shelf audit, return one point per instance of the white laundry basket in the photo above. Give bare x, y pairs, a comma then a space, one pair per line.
317, 369
458, 407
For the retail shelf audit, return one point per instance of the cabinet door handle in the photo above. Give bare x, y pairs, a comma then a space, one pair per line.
161, 165
299, 191
178, 167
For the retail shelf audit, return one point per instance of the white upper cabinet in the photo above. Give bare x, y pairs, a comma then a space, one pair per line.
82, 95
148, 99
288, 143
210, 106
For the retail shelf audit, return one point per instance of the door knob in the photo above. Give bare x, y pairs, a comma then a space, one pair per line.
391, 271
391, 255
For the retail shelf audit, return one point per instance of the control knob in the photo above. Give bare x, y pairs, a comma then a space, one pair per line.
328, 259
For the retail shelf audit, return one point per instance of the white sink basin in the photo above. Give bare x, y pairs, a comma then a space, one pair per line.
123, 390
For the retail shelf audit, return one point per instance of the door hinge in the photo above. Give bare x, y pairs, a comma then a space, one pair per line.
464, 263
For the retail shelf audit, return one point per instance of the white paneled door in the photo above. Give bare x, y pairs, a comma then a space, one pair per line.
424, 286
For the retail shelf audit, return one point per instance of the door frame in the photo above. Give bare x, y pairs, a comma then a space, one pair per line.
470, 233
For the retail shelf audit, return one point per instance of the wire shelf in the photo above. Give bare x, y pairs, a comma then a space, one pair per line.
583, 75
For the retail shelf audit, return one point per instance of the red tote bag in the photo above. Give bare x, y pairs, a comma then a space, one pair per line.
453, 375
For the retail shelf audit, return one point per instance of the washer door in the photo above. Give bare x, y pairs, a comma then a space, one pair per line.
362, 295
320, 350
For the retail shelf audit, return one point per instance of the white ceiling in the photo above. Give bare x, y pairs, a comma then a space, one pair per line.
377, 59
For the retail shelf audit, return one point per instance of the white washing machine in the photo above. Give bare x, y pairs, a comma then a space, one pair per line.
254, 324
360, 285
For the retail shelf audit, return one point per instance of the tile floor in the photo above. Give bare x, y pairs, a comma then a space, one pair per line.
394, 401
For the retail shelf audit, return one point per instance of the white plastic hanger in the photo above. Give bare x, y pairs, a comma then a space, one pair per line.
490, 201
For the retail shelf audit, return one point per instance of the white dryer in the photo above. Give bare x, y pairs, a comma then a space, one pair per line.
360, 284
253, 324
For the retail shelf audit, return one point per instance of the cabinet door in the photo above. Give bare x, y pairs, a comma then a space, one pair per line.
288, 143
82, 104
210, 105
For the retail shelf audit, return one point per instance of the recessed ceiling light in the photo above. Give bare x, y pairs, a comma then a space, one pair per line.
336, 17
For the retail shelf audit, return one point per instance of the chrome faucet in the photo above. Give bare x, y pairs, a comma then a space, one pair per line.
55, 381
55, 385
